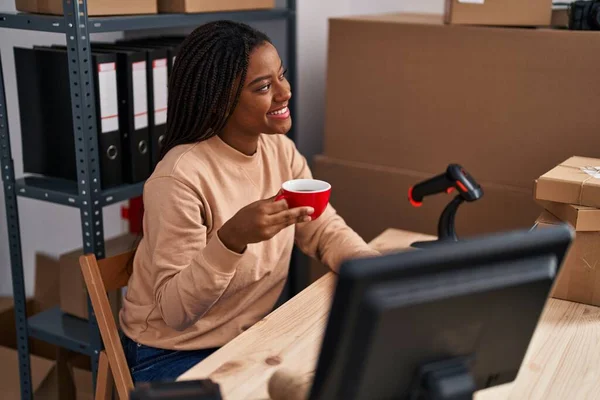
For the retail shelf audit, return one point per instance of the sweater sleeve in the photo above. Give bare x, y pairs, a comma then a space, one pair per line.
190, 272
328, 239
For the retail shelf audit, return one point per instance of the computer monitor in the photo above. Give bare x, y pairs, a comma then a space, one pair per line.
199, 389
438, 323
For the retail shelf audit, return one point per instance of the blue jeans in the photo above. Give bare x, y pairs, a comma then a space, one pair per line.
148, 364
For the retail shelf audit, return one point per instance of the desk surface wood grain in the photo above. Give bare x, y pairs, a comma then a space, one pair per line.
562, 362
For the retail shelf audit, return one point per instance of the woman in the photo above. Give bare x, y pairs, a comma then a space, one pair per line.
216, 245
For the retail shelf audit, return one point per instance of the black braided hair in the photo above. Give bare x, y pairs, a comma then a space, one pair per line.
207, 79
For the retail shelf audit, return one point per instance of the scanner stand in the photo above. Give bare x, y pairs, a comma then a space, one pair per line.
446, 230
443, 380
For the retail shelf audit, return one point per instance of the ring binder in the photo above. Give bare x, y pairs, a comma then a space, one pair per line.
46, 120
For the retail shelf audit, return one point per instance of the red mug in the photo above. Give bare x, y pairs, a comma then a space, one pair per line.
306, 193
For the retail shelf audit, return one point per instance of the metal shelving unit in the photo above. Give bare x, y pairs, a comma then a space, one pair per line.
52, 325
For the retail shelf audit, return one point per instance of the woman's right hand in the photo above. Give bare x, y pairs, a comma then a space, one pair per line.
260, 221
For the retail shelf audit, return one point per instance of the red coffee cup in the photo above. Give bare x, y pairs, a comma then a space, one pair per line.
306, 193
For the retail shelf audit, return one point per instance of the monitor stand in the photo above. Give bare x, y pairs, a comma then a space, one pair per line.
443, 380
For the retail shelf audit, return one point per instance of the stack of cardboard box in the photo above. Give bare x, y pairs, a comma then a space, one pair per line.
409, 94
570, 193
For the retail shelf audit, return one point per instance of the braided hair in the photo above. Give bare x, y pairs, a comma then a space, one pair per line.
207, 79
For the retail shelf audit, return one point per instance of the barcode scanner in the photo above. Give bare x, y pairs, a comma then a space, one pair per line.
455, 179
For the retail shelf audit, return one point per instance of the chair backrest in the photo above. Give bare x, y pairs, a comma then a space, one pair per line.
100, 276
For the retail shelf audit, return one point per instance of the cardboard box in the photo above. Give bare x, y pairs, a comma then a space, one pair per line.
196, 6
44, 377
51, 389
560, 18
10, 383
73, 292
499, 12
582, 218
373, 198
94, 7
579, 278
8, 332
574, 181
45, 297
46, 286
408, 92
385, 204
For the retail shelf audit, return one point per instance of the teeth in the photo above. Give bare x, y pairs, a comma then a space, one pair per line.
279, 112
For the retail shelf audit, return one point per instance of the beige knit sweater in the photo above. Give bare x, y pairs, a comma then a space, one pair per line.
188, 291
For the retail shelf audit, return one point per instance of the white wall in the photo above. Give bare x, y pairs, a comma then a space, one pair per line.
312, 55
45, 227
376, 6
55, 229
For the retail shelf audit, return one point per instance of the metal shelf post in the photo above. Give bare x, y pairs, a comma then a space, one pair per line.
86, 144
14, 240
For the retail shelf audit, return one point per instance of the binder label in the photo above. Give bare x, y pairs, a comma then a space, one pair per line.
107, 91
159, 72
140, 95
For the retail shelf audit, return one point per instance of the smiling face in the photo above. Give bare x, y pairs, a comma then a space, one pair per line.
263, 102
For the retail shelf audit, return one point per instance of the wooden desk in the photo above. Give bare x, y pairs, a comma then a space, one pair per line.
563, 360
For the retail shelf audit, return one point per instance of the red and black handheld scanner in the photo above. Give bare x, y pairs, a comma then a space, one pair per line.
454, 179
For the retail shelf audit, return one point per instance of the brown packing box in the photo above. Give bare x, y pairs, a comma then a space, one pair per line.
73, 293
94, 7
10, 386
560, 18
44, 378
574, 181
45, 297
499, 12
82, 379
582, 218
46, 282
579, 278
8, 333
373, 198
407, 91
196, 6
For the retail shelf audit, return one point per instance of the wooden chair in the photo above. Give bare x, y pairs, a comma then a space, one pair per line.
102, 276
